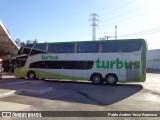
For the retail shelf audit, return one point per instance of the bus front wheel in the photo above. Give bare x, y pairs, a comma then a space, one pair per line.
31, 75
97, 79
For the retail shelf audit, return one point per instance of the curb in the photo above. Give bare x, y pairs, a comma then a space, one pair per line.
8, 93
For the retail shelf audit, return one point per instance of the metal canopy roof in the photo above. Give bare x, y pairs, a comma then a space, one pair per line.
7, 44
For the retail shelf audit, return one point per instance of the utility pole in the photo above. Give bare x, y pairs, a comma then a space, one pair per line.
94, 24
115, 31
107, 37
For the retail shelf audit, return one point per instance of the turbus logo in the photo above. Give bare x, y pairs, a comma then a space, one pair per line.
49, 57
118, 64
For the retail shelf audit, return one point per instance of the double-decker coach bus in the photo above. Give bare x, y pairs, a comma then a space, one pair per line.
109, 61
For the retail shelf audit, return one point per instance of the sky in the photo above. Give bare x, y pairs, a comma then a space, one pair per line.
68, 20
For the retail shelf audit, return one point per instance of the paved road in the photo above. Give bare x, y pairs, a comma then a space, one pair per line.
80, 96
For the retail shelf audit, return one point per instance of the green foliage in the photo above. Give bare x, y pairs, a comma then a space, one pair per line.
20, 43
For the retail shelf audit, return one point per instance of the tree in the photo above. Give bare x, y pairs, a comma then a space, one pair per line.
22, 43
29, 42
18, 42
35, 41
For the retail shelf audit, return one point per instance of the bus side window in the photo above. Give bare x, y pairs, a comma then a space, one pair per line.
112, 46
88, 48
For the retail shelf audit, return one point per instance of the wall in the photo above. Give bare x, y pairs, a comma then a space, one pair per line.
153, 59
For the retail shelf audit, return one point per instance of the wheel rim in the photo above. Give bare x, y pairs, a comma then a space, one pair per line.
96, 79
31, 75
111, 79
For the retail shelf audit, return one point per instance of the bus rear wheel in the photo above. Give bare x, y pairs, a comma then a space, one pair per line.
97, 79
31, 75
111, 79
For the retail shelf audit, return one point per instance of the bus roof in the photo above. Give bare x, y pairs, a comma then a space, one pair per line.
96, 41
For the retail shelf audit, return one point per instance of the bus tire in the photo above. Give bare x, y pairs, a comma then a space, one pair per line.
111, 79
96, 79
31, 75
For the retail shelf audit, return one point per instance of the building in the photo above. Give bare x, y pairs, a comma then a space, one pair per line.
153, 59
7, 44
8, 47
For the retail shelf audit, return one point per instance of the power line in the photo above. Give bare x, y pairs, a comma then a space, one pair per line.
116, 9
127, 12
141, 33
134, 16
146, 32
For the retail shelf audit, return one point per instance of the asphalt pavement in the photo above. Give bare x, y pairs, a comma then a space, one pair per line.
59, 95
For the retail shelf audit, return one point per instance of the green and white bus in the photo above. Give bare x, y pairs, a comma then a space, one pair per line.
109, 61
